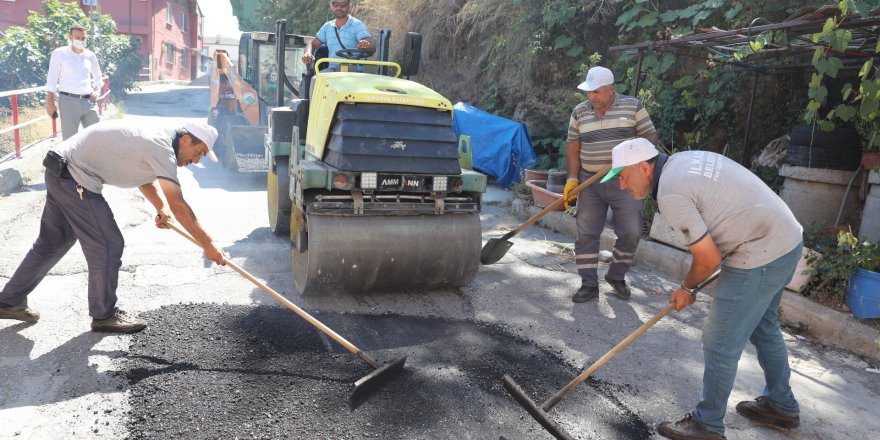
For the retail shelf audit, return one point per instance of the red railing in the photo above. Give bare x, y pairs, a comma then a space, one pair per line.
13, 96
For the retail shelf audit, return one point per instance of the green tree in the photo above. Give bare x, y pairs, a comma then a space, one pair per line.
25, 52
304, 17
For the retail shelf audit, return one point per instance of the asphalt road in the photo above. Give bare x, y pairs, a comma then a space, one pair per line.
220, 359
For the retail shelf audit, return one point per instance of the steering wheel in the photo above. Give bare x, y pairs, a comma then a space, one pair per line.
353, 54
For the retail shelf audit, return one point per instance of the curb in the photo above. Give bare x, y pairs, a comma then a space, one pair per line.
828, 326
831, 327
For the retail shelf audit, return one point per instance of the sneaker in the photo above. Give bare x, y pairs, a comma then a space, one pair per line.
687, 429
620, 289
20, 313
585, 293
762, 411
120, 322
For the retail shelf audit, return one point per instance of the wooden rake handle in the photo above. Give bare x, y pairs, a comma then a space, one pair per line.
553, 400
285, 302
600, 174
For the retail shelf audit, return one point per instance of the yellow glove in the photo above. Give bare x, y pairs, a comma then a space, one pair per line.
567, 195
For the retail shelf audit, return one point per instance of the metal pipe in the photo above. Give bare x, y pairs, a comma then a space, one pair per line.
280, 42
16, 132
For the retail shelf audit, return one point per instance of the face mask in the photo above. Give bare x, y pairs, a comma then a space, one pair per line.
79, 44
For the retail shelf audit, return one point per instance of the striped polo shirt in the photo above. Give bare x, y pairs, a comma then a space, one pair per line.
625, 119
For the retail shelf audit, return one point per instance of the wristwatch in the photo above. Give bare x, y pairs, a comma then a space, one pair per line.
692, 292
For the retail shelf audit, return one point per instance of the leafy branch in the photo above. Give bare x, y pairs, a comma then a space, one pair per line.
860, 99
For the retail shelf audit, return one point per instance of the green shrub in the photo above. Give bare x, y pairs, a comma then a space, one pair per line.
840, 259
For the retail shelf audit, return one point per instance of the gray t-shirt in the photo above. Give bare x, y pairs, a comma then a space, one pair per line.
702, 192
120, 153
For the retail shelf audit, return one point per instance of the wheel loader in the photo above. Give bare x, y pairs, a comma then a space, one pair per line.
242, 94
364, 175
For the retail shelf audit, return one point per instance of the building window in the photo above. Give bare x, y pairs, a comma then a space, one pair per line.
183, 21
169, 53
168, 15
184, 58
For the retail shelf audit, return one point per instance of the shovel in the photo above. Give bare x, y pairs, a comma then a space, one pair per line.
539, 413
495, 248
381, 373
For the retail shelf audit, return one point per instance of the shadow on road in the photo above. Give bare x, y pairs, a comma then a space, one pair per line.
63, 373
212, 175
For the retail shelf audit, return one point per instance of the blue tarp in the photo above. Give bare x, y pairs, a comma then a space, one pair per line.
501, 147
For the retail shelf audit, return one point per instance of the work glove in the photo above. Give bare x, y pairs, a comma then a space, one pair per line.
567, 195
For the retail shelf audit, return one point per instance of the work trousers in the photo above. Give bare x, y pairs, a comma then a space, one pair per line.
592, 208
67, 218
73, 111
745, 308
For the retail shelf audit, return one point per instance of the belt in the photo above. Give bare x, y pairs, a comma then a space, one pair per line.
86, 96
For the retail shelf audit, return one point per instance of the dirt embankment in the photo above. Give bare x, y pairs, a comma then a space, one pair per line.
489, 53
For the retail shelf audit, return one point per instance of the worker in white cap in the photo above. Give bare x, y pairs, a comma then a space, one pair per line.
604, 120
728, 217
121, 154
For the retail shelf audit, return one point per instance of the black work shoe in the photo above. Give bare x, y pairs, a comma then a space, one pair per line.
585, 293
762, 411
686, 429
20, 313
120, 322
620, 289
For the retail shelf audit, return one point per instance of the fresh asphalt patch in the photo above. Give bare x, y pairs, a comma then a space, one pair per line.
202, 371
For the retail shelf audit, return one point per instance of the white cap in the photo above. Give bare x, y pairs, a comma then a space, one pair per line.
629, 153
205, 133
596, 77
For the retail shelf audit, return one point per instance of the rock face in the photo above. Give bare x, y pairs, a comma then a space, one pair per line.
486, 54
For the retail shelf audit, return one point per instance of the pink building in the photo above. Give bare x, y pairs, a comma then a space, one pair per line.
170, 31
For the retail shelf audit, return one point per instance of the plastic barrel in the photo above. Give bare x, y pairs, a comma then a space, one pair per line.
863, 294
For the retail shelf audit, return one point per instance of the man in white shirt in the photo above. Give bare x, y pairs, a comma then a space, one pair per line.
75, 76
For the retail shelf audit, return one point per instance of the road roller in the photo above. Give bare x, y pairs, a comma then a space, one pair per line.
368, 178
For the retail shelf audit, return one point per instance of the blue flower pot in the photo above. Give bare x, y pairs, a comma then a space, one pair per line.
863, 294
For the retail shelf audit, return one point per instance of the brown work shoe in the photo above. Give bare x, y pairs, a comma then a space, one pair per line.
686, 429
762, 411
619, 287
585, 293
120, 322
20, 313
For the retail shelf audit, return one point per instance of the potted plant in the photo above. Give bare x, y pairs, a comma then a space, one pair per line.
848, 268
